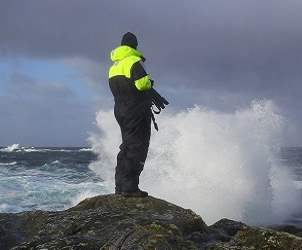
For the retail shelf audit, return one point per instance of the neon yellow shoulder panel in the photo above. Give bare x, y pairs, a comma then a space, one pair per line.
123, 58
123, 67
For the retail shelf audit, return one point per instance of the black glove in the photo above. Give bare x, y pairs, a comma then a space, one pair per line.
157, 100
151, 83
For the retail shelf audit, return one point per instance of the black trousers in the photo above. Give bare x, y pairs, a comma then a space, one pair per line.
135, 125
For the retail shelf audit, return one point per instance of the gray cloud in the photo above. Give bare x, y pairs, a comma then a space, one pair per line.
238, 49
24, 86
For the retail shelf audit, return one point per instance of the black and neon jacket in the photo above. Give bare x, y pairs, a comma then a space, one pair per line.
128, 79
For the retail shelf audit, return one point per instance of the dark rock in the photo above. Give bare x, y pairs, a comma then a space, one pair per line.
227, 227
114, 222
103, 222
222, 231
261, 239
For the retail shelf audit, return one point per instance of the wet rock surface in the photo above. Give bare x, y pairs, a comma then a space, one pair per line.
111, 222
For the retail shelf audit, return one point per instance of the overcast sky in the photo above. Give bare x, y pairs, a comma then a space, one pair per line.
221, 54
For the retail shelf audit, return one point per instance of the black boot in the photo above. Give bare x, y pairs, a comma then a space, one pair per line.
138, 193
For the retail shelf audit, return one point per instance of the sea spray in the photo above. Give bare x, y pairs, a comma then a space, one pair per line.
11, 148
218, 164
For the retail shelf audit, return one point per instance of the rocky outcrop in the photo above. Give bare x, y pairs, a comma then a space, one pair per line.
114, 222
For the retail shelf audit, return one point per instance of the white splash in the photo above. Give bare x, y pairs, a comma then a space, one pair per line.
11, 148
218, 164
85, 150
13, 163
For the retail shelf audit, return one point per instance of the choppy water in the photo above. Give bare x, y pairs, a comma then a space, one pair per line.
45, 178
292, 159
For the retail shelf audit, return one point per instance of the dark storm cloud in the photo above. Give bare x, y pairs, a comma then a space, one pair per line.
250, 45
244, 48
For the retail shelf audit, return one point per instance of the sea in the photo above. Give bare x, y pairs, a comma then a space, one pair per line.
57, 178
45, 178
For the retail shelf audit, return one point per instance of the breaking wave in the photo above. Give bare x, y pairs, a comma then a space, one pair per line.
85, 149
218, 164
11, 148
18, 148
8, 163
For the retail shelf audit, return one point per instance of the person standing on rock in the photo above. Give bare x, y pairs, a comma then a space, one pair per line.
130, 86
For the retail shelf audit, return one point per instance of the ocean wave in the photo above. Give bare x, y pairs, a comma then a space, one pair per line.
8, 163
11, 148
32, 149
18, 148
49, 150
3, 206
56, 162
85, 149
51, 165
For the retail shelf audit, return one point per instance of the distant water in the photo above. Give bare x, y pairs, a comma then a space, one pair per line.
58, 178
292, 158
45, 178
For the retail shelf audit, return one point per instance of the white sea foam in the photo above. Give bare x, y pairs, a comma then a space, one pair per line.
18, 148
32, 149
10, 148
56, 162
218, 164
8, 163
85, 149
3, 206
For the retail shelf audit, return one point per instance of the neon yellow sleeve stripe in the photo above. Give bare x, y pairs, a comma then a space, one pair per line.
143, 83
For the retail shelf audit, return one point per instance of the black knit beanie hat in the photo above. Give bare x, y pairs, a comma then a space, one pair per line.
130, 40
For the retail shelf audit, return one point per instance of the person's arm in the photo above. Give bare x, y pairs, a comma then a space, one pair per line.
140, 77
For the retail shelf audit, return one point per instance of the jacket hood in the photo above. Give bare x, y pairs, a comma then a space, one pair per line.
124, 51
